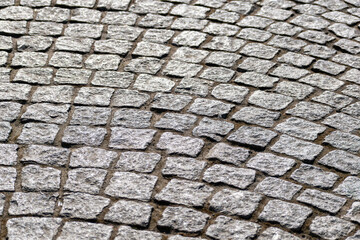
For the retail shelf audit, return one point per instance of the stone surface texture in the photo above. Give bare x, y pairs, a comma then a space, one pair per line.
180, 119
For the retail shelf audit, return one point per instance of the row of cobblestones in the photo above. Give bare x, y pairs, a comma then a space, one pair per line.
179, 119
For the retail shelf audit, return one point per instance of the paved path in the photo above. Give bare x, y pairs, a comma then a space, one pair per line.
179, 119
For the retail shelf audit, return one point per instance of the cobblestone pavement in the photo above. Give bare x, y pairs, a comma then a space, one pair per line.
179, 119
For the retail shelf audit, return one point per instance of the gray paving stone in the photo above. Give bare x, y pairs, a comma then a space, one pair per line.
259, 50
305, 151
342, 122
16, 13
228, 154
353, 109
83, 206
342, 161
46, 155
72, 76
222, 59
287, 43
254, 34
8, 178
148, 49
181, 69
288, 215
127, 233
176, 144
76, 3
179, 237
322, 81
14, 91
217, 74
294, 89
32, 3
46, 112
213, 129
94, 96
322, 200
9, 111
348, 46
86, 157
223, 43
351, 76
239, 203
230, 92
343, 31
128, 212
8, 154
288, 72
272, 232
5, 130
257, 80
131, 118
177, 122
32, 203
183, 219
258, 116
33, 43
84, 230
119, 17
118, 5
189, 11
257, 65
74, 44
310, 22
29, 59
131, 185
37, 179
34, 75
329, 227
150, 6
83, 30
314, 176
183, 167
114, 46
86, 180
129, 98
274, 13
3, 58
344, 141
85, 15
13, 27
4, 75
333, 99
278, 188
194, 86
233, 176
185, 192
316, 36
328, 67
185, 23
349, 188
271, 101
239, 7
189, 39
190, 55
228, 228
296, 59
102, 62
283, 28
90, 116
337, 16
221, 29
353, 213
65, 59
271, 164
149, 83
144, 65
309, 111
123, 32
125, 138
158, 35
2, 203
138, 161
84, 135
252, 136
32, 227
210, 108
53, 14
224, 16
297, 127
255, 22
171, 102
38, 133
7, 42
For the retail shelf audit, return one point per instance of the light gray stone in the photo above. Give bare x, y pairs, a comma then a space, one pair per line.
37, 179
278, 188
183, 167
124, 138
271, 164
176, 144
228, 154
329, 227
138, 161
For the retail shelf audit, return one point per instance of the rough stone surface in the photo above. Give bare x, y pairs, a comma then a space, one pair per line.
329, 227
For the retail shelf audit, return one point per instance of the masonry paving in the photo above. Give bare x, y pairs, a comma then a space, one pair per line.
179, 119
